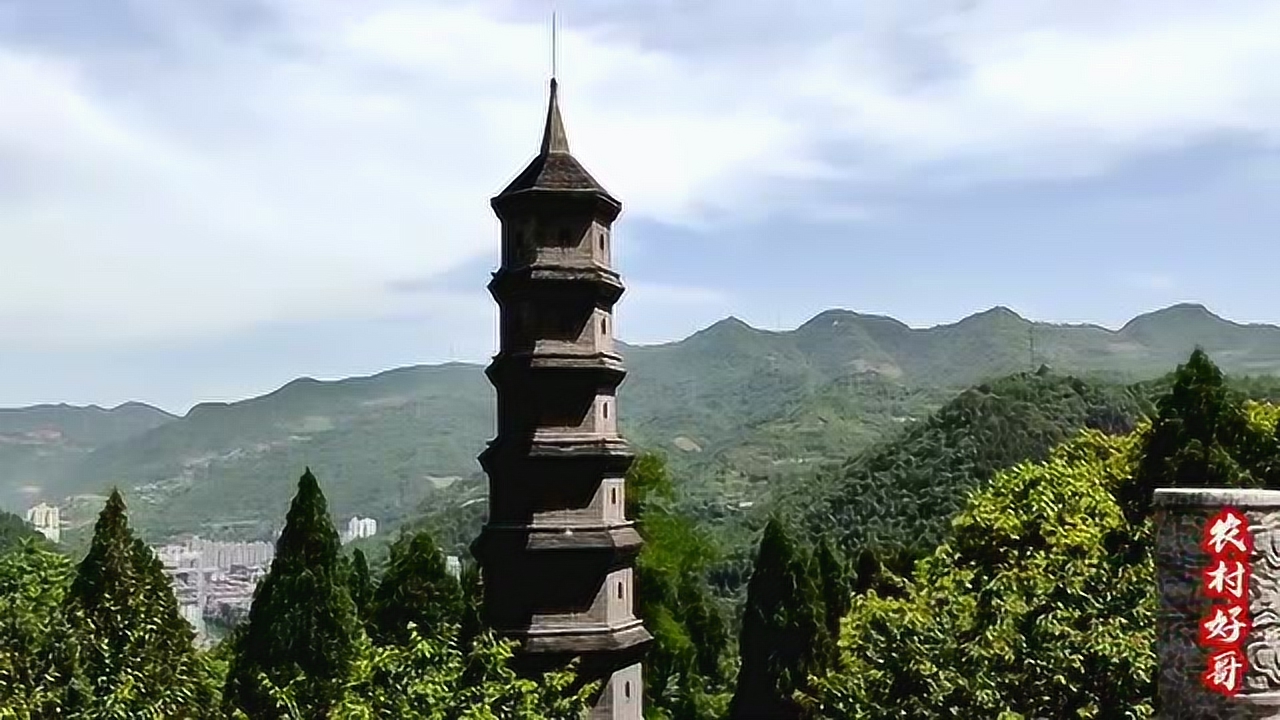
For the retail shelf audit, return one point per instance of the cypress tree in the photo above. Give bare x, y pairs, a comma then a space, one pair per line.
836, 593
781, 628
138, 654
1201, 437
415, 588
302, 627
360, 583
867, 572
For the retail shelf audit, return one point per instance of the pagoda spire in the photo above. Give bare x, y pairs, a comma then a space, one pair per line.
554, 139
554, 169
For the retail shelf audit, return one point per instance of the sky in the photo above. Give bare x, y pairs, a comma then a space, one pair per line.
203, 201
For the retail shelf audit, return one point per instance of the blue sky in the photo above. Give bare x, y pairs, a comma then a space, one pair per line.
202, 201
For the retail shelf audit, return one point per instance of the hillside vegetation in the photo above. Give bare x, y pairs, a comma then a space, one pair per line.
740, 414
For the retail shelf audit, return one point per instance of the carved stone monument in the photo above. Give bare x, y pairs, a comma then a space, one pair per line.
1189, 604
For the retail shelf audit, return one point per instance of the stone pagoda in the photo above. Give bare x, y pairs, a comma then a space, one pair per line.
558, 550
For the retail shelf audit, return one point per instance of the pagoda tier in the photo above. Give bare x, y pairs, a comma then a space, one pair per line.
558, 550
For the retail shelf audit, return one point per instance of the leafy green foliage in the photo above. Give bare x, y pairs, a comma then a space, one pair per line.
136, 651
39, 668
433, 679
685, 671
416, 589
782, 629
302, 628
1023, 612
1037, 604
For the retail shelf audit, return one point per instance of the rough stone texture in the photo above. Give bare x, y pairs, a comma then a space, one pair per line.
1181, 516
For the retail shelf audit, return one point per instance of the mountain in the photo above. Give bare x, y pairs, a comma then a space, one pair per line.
44, 440
739, 411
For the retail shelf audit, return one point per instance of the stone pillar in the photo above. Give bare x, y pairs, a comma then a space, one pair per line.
1181, 516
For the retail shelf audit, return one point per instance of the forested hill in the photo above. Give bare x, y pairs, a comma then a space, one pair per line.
903, 492
737, 409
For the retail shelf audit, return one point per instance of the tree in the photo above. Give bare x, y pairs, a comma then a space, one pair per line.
416, 588
302, 630
867, 571
1201, 437
781, 629
685, 675
137, 652
836, 593
433, 679
1022, 613
360, 583
39, 668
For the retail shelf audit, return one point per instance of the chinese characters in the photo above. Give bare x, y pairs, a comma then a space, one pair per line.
1228, 543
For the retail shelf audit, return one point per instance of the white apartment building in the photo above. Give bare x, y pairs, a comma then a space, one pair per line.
47, 520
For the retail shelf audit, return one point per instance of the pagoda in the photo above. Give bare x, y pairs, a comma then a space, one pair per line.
558, 550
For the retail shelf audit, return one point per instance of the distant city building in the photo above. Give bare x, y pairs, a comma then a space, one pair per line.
47, 520
215, 579
359, 527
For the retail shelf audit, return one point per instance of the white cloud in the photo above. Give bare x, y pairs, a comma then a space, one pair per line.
296, 171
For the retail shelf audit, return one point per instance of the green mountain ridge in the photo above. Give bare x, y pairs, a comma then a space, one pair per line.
736, 408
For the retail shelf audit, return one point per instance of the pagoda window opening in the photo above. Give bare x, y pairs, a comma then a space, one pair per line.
604, 326
606, 409
601, 241
626, 689
619, 591
613, 496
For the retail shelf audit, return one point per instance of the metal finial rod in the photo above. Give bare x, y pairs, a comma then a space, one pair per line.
554, 49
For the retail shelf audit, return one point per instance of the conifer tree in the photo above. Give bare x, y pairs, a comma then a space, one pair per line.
360, 583
781, 628
415, 588
302, 631
867, 571
1200, 438
138, 657
836, 593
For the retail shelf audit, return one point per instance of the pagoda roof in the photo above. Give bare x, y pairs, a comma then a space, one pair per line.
554, 169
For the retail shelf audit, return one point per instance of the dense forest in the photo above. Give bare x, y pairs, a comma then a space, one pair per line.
991, 560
